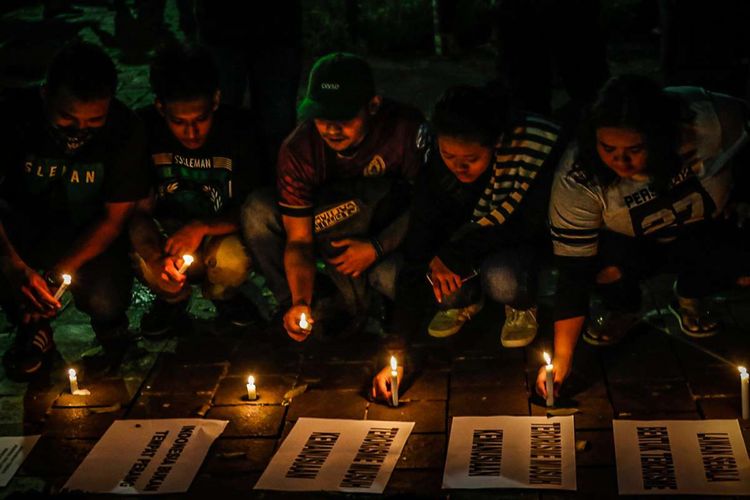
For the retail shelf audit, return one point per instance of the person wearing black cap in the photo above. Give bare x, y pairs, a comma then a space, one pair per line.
343, 184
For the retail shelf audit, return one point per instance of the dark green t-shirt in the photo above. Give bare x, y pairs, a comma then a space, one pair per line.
199, 183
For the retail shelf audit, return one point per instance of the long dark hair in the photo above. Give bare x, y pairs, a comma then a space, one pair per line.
470, 113
639, 104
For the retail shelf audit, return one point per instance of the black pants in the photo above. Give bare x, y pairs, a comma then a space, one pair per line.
707, 258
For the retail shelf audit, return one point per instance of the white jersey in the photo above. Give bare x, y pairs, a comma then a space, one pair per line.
580, 209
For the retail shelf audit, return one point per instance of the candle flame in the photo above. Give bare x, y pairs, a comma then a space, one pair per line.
187, 259
67, 279
250, 380
303, 321
394, 364
742, 370
547, 359
71, 373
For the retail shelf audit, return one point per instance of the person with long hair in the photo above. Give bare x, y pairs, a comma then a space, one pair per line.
644, 188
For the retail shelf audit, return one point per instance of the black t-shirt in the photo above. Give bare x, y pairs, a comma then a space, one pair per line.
198, 183
63, 193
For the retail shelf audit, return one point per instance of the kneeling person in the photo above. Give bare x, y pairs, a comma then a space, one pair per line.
203, 162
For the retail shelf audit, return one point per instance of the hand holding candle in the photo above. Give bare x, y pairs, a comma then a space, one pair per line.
67, 279
745, 387
394, 381
186, 261
550, 383
252, 394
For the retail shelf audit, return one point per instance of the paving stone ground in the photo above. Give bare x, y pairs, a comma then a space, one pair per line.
653, 373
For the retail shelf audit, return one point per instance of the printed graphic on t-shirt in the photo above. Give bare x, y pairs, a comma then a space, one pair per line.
193, 186
662, 216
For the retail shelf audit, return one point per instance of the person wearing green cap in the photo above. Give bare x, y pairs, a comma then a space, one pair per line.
343, 189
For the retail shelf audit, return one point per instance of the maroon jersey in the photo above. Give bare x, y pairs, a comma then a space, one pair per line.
394, 146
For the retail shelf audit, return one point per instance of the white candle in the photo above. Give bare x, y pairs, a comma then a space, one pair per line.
73, 381
550, 383
252, 395
186, 261
303, 323
745, 384
65, 284
394, 381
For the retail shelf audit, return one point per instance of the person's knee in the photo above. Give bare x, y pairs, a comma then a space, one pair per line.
227, 263
259, 215
608, 275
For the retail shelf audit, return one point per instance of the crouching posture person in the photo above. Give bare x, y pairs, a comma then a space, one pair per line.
204, 162
343, 188
74, 165
478, 224
644, 189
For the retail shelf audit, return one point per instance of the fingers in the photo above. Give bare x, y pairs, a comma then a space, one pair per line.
26, 291
341, 243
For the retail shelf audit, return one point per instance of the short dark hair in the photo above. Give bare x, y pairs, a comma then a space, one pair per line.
183, 73
84, 70
471, 113
637, 103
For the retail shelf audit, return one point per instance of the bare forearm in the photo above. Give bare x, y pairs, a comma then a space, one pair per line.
299, 264
567, 332
90, 245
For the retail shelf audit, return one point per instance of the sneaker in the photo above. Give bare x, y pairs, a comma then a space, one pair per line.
239, 310
163, 317
520, 327
607, 327
449, 322
694, 318
31, 350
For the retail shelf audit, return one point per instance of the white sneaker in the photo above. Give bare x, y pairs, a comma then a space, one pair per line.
520, 327
449, 322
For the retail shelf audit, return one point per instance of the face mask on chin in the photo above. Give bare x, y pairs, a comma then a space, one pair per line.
72, 139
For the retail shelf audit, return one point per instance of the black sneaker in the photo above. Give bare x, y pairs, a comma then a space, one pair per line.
31, 350
163, 318
239, 310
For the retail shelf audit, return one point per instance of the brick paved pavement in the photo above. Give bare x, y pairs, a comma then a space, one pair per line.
201, 372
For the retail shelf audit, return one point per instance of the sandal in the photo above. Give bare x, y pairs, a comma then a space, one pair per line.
609, 327
695, 320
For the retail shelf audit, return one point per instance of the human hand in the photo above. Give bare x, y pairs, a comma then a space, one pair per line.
381, 383
357, 257
166, 267
291, 322
185, 240
444, 281
32, 291
560, 372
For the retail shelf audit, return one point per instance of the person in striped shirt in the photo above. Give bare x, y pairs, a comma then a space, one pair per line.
643, 189
477, 223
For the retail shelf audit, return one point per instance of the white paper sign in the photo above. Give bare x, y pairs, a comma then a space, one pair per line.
511, 452
13, 451
147, 456
677, 457
336, 455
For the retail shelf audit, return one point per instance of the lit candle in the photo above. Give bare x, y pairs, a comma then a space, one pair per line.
65, 284
550, 385
252, 395
73, 381
186, 261
394, 381
745, 384
303, 323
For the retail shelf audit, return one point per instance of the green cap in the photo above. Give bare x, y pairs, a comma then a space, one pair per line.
340, 84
